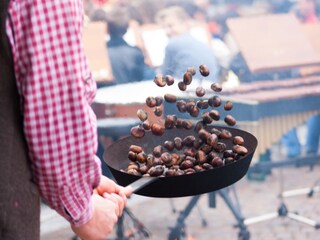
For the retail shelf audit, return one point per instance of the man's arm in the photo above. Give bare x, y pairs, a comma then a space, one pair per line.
56, 89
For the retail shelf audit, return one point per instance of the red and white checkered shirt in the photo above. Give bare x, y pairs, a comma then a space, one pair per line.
56, 91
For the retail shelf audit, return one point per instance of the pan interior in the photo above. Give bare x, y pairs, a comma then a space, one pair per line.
116, 155
184, 185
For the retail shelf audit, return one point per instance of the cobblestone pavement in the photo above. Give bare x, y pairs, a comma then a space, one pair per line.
255, 198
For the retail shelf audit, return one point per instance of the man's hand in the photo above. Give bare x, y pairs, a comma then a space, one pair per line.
107, 185
106, 211
109, 200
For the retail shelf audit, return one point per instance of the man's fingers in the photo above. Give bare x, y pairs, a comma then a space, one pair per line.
108, 196
127, 191
118, 200
107, 185
121, 202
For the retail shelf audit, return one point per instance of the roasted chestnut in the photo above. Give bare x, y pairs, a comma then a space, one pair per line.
169, 80
157, 111
166, 158
187, 78
146, 125
212, 140
142, 157
156, 171
217, 162
187, 124
157, 151
214, 114
228, 105
159, 100
170, 121
201, 157
230, 120
181, 106
182, 86
216, 87
159, 80
137, 132
169, 145
135, 148
202, 104
142, 115
204, 70
225, 134
151, 102
178, 143
191, 70
188, 141
132, 156
170, 98
157, 129
206, 119
238, 140
186, 164
238, 149
194, 112
200, 91
214, 101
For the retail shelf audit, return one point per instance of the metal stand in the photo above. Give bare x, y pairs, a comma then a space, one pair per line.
244, 234
307, 191
134, 229
178, 232
283, 211
267, 166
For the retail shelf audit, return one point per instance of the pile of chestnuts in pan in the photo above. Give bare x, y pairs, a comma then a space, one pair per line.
200, 151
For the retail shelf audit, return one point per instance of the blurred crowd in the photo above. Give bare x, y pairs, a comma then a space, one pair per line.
131, 62
213, 13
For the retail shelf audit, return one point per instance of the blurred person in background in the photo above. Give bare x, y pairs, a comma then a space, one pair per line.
89, 7
98, 15
305, 10
48, 134
127, 62
143, 11
198, 10
280, 6
317, 6
313, 135
183, 50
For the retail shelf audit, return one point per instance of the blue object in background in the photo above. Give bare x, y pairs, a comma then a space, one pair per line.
313, 134
291, 142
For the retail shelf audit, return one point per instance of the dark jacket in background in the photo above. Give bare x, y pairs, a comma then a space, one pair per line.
127, 62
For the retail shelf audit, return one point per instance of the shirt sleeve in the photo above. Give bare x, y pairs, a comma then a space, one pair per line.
57, 89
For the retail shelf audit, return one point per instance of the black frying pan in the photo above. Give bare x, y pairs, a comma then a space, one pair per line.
206, 181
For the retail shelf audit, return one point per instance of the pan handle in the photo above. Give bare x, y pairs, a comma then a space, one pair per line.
141, 183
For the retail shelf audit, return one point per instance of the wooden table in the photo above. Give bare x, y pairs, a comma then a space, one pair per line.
273, 42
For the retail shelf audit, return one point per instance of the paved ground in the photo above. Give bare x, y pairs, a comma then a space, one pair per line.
255, 197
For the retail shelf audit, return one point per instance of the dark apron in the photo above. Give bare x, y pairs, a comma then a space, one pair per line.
19, 197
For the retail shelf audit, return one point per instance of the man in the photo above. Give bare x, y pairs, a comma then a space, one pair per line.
183, 50
127, 62
47, 128
305, 11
